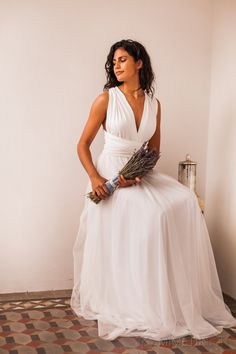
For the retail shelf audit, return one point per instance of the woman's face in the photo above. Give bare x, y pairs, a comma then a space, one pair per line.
124, 65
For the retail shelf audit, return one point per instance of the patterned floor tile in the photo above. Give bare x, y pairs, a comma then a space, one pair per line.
50, 327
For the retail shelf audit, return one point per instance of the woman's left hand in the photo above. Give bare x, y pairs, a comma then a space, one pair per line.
128, 182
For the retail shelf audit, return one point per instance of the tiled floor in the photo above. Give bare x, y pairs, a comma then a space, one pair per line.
51, 327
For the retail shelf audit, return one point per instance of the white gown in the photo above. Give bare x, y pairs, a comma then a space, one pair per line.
143, 260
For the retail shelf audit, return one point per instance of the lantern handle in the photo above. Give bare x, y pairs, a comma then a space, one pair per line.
188, 157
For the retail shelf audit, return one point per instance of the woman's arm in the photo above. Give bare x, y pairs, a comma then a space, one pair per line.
154, 142
96, 117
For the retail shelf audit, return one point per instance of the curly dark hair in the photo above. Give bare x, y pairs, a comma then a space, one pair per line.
137, 51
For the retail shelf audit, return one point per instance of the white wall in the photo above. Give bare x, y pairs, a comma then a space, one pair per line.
52, 68
221, 159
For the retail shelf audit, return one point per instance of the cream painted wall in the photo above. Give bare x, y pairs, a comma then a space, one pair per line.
221, 158
52, 68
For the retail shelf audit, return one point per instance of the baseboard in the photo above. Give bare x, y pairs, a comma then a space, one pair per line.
36, 295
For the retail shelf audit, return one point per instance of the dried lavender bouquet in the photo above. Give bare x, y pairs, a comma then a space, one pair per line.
140, 163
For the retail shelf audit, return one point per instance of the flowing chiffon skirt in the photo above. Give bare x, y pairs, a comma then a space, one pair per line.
143, 260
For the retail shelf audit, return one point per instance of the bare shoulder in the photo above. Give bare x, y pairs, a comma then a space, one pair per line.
103, 96
97, 116
101, 101
98, 108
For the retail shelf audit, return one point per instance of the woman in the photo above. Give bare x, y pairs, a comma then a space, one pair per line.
143, 261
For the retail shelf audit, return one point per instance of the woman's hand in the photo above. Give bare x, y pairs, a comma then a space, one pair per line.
128, 182
99, 187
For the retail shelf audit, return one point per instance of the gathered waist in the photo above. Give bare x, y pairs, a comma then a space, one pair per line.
114, 145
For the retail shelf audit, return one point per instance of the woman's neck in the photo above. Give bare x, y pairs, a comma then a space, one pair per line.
132, 90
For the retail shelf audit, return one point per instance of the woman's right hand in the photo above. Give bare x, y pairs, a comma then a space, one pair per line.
98, 186
123, 182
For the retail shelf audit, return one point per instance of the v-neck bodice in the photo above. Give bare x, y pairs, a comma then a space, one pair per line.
144, 106
120, 119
